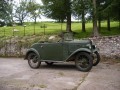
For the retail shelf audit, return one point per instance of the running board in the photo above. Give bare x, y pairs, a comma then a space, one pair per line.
52, 61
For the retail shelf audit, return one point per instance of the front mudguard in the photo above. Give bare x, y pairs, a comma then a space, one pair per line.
32, 50
95, 50
78, 51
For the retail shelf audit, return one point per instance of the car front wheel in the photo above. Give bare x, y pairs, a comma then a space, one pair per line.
84, 61
33, 61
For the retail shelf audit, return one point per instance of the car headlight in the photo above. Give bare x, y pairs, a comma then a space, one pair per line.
89, 46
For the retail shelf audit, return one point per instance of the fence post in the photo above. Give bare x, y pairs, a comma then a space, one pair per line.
34, 29
13, 28
4, 31
24, 29
61, 26
5, 44
44, 26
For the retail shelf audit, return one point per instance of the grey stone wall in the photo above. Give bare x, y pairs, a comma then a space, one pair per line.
109, 46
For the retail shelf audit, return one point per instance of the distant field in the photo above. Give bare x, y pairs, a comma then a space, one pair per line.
55, 28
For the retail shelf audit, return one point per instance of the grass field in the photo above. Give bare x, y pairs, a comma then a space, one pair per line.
55, 28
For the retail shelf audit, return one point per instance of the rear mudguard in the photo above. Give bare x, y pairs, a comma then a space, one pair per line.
30, 51
78, 51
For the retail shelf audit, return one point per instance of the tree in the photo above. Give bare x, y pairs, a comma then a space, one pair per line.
107, 11
67, 5
100, 8
59, 10
95, 29
21, 12
34, 9
9, 18
115, 7
5, 11
80, 9
111, 10
54, 9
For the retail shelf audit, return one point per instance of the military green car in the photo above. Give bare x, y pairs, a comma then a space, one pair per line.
83, 52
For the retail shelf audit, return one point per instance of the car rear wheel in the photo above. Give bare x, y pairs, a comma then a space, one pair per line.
49, 63
96, 58
84, 61
33, 61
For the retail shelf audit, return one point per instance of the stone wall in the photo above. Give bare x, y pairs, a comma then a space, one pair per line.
109, 46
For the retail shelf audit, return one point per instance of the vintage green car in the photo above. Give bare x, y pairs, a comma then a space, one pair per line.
83, 52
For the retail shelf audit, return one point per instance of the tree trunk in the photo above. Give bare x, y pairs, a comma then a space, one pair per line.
62, 20
119, 24
35, 20
68, 27
108, 22
99, 23
95, 30
68, 15
119, 20
83, 21
59, 20
21, 22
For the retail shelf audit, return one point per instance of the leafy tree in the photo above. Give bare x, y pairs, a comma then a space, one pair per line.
9, 18
21, 12
5, 11
107, 11
95, 29
113, 11
34, 9
54, 9
67, 8
58, 9
100, 8
115, 7
80, 9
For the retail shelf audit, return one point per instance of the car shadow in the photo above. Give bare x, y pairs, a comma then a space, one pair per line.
59, 66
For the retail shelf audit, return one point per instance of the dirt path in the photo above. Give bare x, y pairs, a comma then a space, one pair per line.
15, 74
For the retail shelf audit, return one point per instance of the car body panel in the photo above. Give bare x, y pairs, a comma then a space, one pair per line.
51, 51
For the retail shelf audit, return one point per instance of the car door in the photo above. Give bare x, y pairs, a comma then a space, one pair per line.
52, 51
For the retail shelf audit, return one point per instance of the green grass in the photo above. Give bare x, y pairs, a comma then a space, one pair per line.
114, 29
55, 28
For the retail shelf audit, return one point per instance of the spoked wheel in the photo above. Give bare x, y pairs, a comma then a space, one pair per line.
84, 61
33, 61
96, 58
49, 63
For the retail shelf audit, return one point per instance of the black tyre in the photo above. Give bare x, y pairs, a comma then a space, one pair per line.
84, 62
33, 61
49, 63
96, 58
